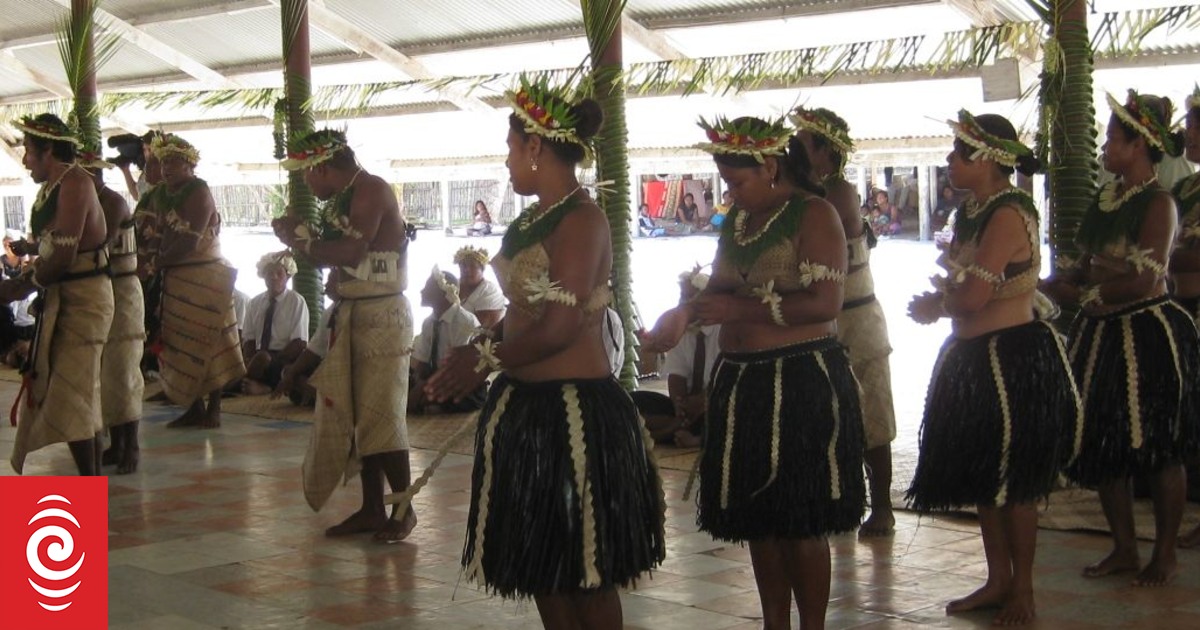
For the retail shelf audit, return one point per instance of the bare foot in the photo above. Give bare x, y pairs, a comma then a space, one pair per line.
128, 463
988, 596
396, 530
1017, 611
1190, 539
359, 522
190, 418
1157, 573
1115, 562
879, 524
254, 388
210, 420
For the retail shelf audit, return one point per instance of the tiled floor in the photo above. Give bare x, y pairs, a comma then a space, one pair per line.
213, 532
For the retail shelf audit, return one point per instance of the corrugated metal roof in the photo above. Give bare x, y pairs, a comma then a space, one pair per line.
233, 40
29, 17
129, 62
424, 21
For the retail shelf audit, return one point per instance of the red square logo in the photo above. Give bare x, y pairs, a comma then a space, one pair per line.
54, 552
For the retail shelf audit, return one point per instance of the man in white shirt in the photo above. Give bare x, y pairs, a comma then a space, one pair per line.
293, 383
688, 367
448, 327
276, 326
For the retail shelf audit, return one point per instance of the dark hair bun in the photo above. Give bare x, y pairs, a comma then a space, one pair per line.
1177, 142
590, 117
1028, 165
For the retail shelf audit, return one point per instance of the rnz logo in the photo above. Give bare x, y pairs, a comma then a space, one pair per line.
53, 586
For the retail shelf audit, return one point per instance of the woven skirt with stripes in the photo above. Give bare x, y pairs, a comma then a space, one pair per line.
565, 493
784, 444
1137, 371
1002, 419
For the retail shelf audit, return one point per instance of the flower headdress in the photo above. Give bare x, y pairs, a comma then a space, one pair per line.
987, 146
1193, 99
471, 254
168, 145
747, 136
314, 148
1144, 120
56, 131
546, 111
283, 259
449, 289
821, 122
695, 278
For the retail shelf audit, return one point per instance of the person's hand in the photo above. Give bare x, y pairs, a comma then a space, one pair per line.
926, 308
719, 308
15, 290
285, 227
667, 331
457, 377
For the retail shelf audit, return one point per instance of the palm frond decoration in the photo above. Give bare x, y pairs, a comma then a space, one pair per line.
602, 24
1122, 33
83, 51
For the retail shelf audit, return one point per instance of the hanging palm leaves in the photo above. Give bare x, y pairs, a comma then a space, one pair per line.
82, 54
602, 23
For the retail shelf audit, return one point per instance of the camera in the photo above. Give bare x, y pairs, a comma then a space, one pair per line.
129, 150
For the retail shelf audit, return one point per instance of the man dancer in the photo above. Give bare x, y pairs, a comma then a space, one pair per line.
60, 395
200, 351
362, 384
121, 383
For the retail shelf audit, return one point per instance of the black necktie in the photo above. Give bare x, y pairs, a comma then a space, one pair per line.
264, 342
697, 384
433, 347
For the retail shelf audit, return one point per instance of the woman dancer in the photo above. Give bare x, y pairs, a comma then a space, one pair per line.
861, 324
781, 464
566, 503
1185, 261
1002, 412
1134, 351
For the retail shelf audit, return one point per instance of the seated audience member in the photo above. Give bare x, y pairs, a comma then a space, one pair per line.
613, 331
481, 222
679, 418
16, 332
448, 327
293, 383
646, 224
688, 213
13, 262
945, 205
721, 210
889, 212
276, 328
478, 295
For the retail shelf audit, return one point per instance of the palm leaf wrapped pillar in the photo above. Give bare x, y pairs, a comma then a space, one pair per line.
1068, 124
82, 55
297, 90
601, 22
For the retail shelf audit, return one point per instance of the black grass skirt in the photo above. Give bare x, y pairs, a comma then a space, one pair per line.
567, 488
1002, 418
784, 445
1137, 370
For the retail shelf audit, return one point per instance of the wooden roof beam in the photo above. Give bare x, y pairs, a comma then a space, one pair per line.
354, 37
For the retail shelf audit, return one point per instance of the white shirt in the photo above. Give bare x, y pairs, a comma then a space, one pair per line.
21, 316
290, 320
486, 297
239, 308
612, 333
457, 327
680, 359
319, 344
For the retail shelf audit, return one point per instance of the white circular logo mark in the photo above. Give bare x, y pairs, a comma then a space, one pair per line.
59, 551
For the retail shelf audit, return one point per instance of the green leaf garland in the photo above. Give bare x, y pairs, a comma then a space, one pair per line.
744, 256
526, 230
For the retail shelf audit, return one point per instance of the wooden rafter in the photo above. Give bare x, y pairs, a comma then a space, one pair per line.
354, 37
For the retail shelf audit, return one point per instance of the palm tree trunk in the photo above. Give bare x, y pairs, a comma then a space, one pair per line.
1073, 164
602, 20
297, 89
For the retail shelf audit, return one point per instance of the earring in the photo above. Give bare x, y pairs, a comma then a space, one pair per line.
533, 166
772, 184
